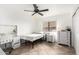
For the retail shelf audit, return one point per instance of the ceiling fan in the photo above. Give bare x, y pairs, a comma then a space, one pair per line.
36, 10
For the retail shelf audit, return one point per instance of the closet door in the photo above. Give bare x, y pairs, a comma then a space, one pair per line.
75, 23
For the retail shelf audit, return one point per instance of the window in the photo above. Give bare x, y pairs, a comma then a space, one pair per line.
49, 26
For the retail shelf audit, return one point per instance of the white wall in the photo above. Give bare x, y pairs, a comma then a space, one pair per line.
15, 15
76, 31
62, 20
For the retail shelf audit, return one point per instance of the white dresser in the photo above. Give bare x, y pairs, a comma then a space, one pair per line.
64, 37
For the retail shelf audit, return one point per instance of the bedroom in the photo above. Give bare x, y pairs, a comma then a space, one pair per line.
21, 23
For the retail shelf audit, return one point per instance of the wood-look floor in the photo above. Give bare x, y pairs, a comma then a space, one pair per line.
44, 48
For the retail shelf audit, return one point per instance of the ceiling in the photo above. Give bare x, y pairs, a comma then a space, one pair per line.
58, 9
54, 9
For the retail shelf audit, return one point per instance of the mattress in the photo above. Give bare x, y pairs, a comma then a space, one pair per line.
32, 37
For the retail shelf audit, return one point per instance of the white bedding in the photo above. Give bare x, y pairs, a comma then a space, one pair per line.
32, 37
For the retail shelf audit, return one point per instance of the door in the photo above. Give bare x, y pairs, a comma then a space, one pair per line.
76, 31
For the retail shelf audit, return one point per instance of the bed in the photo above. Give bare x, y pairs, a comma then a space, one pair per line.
32, 37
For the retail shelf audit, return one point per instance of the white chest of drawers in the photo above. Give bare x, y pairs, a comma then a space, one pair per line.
64, 37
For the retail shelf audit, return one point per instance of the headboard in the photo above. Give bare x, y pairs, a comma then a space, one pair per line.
8, 29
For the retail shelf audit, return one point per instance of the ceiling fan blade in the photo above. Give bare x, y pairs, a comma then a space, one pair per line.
29, 10
43, 10
35, 6
40, 14
33, 14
